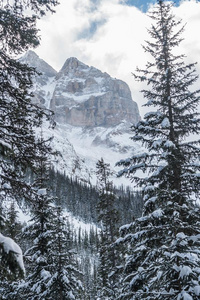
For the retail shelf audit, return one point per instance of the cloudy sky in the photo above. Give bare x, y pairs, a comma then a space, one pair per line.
108, 35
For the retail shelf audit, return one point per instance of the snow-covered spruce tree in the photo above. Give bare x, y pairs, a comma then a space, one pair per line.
12, 267
51, 271
13, 225
18, 115
39, 233
108, 218
163, 246
65, 282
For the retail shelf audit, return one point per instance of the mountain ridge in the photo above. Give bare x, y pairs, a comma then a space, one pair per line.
85, 96
93, 112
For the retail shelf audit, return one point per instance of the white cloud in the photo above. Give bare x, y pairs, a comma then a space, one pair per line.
114, 46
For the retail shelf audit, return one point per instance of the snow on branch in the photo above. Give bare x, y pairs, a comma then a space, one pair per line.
10, 247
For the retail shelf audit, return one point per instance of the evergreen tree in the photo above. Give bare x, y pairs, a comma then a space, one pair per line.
52, 273
108, 217
163, 258
18, 116
13, 225
39, 232
65, 283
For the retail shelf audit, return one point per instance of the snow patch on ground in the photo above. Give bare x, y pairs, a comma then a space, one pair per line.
77, 223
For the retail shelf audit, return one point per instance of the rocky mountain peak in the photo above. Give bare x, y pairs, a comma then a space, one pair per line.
72, 63
74, 68
30, 56
82, 95
47, 74
33, 60
85, 96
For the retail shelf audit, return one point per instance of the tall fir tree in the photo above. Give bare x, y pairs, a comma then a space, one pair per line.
18, 116
108, 218
51, 272
163, 257
39, 233
13, 224
65, 283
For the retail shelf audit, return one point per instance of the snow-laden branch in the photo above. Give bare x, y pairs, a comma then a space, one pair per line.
10, 247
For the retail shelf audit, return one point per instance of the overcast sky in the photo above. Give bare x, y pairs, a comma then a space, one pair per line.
108, 35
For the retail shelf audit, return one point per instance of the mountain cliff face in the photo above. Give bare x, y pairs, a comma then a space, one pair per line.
93, 112
84, 96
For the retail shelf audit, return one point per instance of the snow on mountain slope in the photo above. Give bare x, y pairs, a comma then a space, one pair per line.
91, 145
93, 113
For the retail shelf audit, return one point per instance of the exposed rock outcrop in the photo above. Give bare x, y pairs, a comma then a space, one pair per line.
41, 66
84, 96
81, 95
43, 82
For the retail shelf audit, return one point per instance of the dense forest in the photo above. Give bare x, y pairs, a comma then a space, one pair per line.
75, 200
81, 199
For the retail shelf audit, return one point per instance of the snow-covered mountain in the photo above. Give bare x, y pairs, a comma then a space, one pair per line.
93, 113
